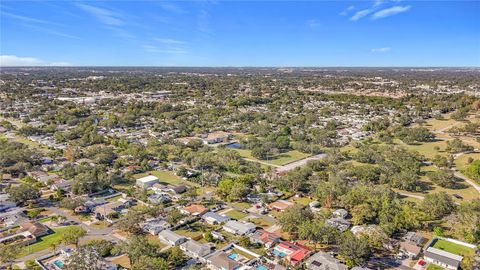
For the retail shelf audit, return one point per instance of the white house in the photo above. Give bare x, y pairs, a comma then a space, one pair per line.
170, 238
147, 181
239, 228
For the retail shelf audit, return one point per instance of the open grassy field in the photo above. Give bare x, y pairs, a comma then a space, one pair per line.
452, 247
427, 149
280, 159
301, 200
462, 162
195, 235
45, 241
166, 177
260, 222
434, 267
242, 205
235, 214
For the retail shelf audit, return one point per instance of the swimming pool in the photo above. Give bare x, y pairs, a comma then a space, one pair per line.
233, 256
261, 267
59, 264
278, 253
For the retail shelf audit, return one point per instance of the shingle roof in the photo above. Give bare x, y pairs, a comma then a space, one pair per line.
443, 256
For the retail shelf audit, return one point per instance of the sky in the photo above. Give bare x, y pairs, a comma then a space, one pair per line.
239, 33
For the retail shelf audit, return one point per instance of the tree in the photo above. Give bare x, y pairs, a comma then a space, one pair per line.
23, 193
72, 234
174, 216
32, 265
176, 257
437, 205
457, 146
443, 178
136, 247
148, 263
8, 253
473, 170
131, 222
354, 251
84, 258
293, 216
363, 213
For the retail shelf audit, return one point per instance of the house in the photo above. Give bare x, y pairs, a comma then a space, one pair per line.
340, 213
410, 249
213, 218
157, 187
293, 253
280, 205
239, 228
13, 218
177, 189
222, 261
442, 258
170, 238
217, 137
92, 203
324, 261
339, 223
158, 198
264, 238
314, 204
35, 228
147, 181
107, 210
414, 238
155, 226
194, 210
61, 184
195, 250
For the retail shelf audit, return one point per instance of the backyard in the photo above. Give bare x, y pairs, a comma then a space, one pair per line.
166, 177
452, 247
278, 160
45, 241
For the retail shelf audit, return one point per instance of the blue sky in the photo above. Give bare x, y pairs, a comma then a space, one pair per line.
234, 33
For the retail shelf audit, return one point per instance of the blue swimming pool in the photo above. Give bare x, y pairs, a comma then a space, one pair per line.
233, 256
59, 263
261, 267
278, 253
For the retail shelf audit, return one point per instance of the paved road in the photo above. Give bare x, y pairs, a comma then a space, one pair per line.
298, 163
470, 182
390, 263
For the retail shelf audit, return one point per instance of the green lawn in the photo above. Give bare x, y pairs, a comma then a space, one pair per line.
434, 267
280, 159
462, 162
260, 222
242, 205
195, 235
45, 241
166, 177
235, 214
452, 247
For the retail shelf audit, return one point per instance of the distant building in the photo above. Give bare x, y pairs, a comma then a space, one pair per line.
264, 238
221, 261
195, 250
410, 249
217, 137
147, 181
340, 213
293, 253
194, 210
442, 258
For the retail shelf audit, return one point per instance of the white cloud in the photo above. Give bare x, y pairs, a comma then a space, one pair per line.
169, 41
360, 14
105, 16
345, 12
15, 61
389, 12
155, 49
381, 50
313, 23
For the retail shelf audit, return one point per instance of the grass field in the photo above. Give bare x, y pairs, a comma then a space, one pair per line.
45, 241
242, 205
260, 222
235, 214
301, 200
462, 162
166, 177
434, 267
280, 159
195, 235
452, 247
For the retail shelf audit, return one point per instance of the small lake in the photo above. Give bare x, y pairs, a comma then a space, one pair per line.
233, 145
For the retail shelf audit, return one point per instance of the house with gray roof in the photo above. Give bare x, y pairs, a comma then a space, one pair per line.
214, 218
239, 228
195, 250
170, 238
324, 261
442, 258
